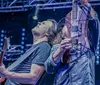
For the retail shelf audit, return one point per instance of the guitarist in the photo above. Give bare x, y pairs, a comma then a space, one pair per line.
31, 69
72, 60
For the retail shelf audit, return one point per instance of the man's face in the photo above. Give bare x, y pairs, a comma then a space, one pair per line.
42, 28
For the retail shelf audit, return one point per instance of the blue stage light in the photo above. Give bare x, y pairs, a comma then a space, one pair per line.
0, 48
98, 47
97, 57
23, 30
22, 42
22, 51
23, 34
2, 35
1, 44
22, 47
23, 38
2, 31
97, 62
97, 52
1, 40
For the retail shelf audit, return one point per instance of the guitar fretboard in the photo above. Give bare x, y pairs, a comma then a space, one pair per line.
74, 11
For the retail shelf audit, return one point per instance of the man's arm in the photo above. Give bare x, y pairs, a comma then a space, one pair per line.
25, 78
50, 65
55, 56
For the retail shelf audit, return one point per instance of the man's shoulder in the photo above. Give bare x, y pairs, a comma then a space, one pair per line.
44, 45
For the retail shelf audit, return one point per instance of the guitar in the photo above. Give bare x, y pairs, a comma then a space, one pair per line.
5, 46
74, 29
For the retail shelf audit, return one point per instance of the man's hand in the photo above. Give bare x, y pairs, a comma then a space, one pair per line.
65, 44
2, 70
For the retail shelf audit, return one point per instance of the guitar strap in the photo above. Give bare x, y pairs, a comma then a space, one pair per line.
22, 58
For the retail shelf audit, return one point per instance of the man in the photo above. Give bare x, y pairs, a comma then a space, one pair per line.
73, 59
32, 68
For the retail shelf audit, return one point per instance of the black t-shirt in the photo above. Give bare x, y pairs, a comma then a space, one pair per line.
39, 56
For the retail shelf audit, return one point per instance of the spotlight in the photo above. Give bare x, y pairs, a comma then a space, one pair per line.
23, 34
23, 30
22, 42
0, 48
1, 40
2, 31
23, 38
98, 47
22, 47
1, 44
97, 52
35, 17
97, 57
22, 51
2, 35
97, 62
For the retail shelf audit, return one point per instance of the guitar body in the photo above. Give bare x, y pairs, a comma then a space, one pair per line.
2, 80
73, 23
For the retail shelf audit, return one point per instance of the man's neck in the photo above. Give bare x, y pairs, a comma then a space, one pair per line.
40, 40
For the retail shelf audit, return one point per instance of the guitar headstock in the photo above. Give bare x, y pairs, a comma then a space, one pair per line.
6, 44
83, 2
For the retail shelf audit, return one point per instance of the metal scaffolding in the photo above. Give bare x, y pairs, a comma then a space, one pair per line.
24, 5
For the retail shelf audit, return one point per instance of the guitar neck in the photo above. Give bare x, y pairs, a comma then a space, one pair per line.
5, 45
74, 23
74, 11
1, 57
74, 15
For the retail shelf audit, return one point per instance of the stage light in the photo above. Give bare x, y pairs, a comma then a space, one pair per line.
2, 31
22, 42
1, 44
97, 62
1, 40
97, 52
98, 47
23, 38
35, 17
0, 48
23, 34
22, 51
97, 57
2, 35
23, 30
22, 47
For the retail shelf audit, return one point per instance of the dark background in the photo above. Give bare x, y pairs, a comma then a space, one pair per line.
13, 23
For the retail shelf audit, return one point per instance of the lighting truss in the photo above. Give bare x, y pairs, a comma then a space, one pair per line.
24, 5
14, 52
